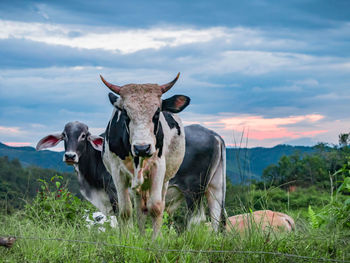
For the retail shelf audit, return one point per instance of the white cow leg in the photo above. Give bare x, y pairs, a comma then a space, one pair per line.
197, 216
156, 201
214, 197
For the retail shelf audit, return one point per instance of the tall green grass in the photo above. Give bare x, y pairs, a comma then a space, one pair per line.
48, 231
305, 241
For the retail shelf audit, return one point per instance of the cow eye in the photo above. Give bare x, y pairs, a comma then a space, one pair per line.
64, 136
83, 135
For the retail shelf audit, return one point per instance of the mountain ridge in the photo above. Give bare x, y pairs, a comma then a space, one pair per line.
243, 164
27, 155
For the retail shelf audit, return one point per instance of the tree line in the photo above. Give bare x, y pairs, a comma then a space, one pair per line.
18, 183
305, 170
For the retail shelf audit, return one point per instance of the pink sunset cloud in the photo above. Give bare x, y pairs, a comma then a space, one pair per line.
17, 144
281, 133
260, 128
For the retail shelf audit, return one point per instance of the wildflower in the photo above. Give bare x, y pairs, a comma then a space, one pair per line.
58, 195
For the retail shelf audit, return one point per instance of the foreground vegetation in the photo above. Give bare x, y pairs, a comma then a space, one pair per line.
314, 189
305, 241
18, 183
52, 228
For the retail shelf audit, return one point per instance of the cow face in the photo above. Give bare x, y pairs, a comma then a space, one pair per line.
142, 103
76, 136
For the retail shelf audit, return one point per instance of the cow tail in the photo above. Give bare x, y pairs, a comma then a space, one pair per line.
223, 174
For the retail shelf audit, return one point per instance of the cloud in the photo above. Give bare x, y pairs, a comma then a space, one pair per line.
130, 40
210, 50
260, 130
11, 131
283, 15
17, 144
272, 79
122, 40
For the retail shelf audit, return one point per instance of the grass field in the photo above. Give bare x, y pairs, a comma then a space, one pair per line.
188, 246
52, 228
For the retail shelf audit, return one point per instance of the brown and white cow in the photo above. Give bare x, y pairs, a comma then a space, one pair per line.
265, 220
144, 146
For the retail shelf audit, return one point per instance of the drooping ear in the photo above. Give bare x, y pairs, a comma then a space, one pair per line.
49, 141
175, 103
96, 142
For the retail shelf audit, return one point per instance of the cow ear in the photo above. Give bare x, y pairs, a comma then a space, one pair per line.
96, 142
49, 141
175, 103
113, 99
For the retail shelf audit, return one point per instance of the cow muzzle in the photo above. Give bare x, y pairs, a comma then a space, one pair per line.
70, 158
142, 150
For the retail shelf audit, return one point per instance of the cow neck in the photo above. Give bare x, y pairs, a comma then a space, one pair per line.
89, 165
172, 122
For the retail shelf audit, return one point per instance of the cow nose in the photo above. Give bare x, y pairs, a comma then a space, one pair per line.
70, 156
142, 150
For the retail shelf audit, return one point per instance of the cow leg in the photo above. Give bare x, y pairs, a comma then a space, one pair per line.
156, 202
164, 191
173, 199
140, 215
124, 202
215, 197
216, 190
197, 214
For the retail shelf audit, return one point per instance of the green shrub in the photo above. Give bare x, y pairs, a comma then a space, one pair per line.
337, 211
54, 202
240, 199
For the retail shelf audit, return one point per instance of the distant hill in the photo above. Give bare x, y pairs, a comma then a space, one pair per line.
29, 156
249, 163
19, 183
242, 164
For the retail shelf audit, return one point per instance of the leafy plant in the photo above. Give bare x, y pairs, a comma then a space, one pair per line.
337, 212
314, 221
55, 202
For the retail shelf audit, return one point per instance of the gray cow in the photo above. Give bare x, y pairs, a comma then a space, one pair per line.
145, 143
202, 173
83, 151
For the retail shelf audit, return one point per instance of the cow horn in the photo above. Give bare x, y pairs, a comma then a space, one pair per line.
168, 86
112, 87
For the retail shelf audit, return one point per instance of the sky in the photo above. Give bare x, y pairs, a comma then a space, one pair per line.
259, 73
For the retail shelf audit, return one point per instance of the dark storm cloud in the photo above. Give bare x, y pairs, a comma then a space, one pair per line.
287, 14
